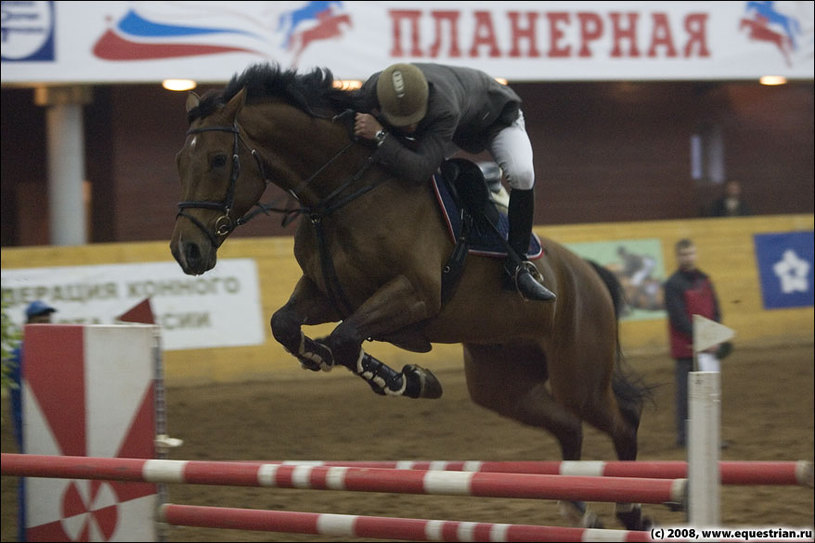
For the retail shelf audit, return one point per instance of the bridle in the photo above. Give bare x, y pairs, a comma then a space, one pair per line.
224, 225
316, 213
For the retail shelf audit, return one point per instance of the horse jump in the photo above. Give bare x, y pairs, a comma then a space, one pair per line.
380, 527
450, 483
734, 472
484, 479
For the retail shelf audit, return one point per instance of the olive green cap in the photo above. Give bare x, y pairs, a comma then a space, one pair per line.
402, 93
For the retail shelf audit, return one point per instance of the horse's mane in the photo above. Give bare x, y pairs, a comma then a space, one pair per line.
313, 92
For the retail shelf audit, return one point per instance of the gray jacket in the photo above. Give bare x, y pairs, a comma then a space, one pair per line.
466, 107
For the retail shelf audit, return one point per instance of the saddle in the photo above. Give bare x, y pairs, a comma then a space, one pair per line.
475, 218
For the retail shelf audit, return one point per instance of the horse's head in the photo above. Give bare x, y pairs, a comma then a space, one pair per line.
221, 179
267, 125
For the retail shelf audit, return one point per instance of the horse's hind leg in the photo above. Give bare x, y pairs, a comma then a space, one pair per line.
625, 442
623, 431
618, 415
511, 381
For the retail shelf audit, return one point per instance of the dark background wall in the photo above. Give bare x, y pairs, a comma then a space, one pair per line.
604, 152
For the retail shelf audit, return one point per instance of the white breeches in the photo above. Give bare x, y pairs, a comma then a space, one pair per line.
512, 150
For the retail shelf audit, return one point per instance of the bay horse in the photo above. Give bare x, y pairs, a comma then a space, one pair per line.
372, 248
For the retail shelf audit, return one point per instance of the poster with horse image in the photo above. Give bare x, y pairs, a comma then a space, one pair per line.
637, 264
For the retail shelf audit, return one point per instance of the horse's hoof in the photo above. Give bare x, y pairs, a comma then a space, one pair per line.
578, 514
591, 520
376, 388
633, 519
421, 382
307, 364
315, 355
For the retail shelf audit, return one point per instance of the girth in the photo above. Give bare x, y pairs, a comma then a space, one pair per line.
465, 182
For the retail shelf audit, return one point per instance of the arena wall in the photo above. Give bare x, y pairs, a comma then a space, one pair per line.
726, 252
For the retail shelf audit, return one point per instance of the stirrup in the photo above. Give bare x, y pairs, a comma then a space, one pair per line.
529, 283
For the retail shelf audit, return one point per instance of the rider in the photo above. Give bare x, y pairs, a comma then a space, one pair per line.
427, 110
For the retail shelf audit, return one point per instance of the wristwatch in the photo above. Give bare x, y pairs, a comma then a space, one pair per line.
380, 137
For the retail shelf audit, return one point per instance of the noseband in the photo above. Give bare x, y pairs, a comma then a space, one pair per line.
224, 225
337, 199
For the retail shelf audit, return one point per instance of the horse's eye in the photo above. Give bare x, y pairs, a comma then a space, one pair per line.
219, 161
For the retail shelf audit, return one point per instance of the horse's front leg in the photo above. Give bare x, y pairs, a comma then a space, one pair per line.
393, 307
306, 306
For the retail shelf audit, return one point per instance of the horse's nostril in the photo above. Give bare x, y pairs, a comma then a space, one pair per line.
192, 253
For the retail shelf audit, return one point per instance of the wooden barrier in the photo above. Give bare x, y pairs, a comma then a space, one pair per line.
380, 527
493, 485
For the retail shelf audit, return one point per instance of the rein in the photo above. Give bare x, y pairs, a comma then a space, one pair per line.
324, 208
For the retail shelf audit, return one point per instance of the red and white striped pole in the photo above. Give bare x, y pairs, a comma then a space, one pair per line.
494, 485
733, 472
380, 527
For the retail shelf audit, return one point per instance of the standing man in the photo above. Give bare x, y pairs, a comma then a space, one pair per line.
37, 312
688, 291
419, 113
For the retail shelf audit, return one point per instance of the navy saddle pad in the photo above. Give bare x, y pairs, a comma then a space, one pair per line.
484, 240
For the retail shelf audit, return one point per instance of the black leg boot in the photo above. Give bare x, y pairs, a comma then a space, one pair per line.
521, 273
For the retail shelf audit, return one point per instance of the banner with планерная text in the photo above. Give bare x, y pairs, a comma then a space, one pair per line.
220, 309
147, 42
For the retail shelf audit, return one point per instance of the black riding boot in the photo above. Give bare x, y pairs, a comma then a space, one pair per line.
519, 271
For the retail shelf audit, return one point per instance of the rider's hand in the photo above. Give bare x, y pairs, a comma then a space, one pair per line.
366, 126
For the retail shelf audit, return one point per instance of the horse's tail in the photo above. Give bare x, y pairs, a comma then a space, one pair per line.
614, 288
629, 388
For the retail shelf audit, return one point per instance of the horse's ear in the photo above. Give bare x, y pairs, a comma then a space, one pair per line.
192, 101
237, 102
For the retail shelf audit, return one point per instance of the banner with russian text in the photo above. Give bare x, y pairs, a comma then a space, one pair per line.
221, 309
119, 42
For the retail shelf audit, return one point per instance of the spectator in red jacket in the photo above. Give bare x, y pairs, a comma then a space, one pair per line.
688, 291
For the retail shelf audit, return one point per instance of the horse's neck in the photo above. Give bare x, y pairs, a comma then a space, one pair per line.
338, 169
312, 157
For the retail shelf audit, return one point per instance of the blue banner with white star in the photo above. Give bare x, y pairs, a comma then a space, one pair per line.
785, 262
